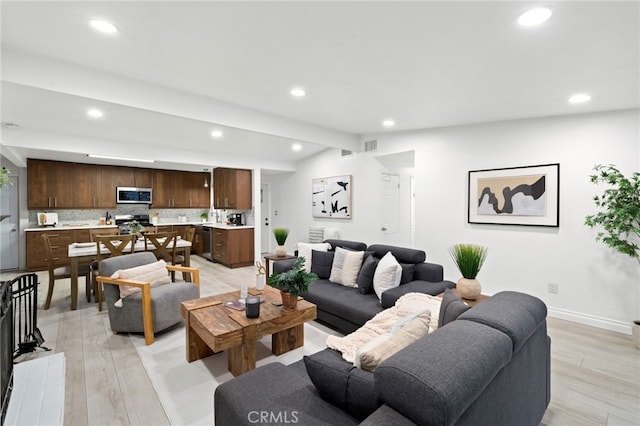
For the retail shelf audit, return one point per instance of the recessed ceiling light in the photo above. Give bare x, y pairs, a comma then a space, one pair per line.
296, 147
535, 16
9, 125
103, 26
579, 98
298, 92
95, 113
216, 134
388, 123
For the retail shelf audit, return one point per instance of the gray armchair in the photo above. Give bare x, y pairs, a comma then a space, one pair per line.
151, 309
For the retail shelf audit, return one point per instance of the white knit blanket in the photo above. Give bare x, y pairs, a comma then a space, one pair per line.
405, 309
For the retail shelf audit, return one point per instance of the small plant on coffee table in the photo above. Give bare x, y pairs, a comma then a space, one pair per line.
293, 282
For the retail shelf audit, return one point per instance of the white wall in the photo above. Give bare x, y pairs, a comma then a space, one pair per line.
596, 285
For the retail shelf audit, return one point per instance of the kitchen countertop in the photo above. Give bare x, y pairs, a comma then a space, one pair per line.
87, 226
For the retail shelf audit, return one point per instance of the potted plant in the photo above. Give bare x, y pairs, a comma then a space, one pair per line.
619, 216
281, 235
4, 177
204, 216
469, 259
293, 282
134, 229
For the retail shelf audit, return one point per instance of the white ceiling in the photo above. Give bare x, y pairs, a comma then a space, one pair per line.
424, 64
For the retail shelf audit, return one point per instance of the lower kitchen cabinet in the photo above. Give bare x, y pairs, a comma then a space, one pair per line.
60, 240
232, 247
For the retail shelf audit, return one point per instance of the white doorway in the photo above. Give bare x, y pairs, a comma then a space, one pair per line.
390, 197
265, 219
9, 221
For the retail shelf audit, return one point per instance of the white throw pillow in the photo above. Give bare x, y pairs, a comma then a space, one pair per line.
388, 274
346, 266
154, 273
305, 250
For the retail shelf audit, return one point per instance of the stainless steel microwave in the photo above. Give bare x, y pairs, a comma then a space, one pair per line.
129, 195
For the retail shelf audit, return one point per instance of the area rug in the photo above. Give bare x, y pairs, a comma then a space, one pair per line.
186, 389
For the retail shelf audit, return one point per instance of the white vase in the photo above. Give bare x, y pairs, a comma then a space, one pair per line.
468, 288
281, 251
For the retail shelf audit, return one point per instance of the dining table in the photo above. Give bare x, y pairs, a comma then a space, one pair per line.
80, 253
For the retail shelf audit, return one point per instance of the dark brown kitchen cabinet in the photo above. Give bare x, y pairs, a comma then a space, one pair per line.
134, 177
95, 187
232, 247
60, 240
175, 189
232, 188
50, 185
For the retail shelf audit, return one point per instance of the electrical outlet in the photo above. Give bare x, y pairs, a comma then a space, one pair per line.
553, 288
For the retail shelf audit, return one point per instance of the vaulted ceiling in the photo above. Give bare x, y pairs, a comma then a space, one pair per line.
177, 70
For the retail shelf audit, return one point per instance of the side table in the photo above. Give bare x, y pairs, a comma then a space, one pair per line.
272, 257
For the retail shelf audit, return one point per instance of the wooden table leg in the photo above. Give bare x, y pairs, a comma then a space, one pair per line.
196, 347
74, 282
287, 340
242, 358
187, 262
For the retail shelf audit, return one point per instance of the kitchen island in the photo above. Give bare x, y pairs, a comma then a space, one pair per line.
231, 245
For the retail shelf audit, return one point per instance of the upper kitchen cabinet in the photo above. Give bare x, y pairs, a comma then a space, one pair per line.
134, 177
171, 189
199, 194
232, 188
95, 187
50, 185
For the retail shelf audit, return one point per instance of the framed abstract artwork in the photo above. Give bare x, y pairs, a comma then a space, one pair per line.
527, 195
331, 197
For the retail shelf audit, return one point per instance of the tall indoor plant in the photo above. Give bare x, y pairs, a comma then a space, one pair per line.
281, 235
293, 282
469, 258
619, 216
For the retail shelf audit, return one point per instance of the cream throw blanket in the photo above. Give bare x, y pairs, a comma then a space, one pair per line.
406, 308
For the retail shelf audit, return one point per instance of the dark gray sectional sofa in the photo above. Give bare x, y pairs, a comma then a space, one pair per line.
346, 308
488, 366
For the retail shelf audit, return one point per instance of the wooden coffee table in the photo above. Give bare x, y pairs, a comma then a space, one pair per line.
212, 327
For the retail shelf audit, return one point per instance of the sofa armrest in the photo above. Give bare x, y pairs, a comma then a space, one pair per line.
282, 265
428, 272
390, 296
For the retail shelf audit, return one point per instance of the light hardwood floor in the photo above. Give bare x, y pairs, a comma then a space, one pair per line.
595, 374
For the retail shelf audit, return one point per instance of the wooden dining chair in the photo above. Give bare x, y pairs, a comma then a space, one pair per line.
59, 270
189, 235
117, 246
93, 234
162, 244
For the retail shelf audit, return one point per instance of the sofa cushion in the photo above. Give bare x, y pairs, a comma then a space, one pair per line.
390, 297
371, 354
346, 266
451, 308
365, 277
449, 369
343, 302
304, 250
402, 254
407, 272
388, 274
321, 262
351, 245
342, 384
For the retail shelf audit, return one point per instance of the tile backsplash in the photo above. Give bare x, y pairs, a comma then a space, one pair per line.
92, 216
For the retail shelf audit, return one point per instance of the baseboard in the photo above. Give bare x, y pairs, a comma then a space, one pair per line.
591, 320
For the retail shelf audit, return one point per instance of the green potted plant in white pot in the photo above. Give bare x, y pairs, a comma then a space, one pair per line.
281, 235
619, 216
469, 258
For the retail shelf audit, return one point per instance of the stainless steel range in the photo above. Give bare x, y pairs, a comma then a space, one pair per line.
123, 221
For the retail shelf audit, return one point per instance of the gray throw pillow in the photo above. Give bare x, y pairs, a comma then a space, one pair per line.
451, 308
340, 383
365, 277
321, 263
